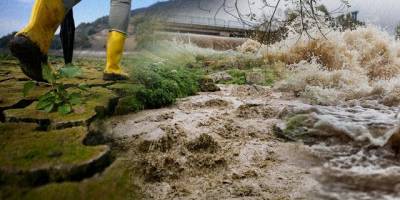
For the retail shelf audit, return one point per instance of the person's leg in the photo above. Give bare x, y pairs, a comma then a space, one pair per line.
31, 44
118, 21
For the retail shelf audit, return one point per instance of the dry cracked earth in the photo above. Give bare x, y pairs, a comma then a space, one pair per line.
218, 145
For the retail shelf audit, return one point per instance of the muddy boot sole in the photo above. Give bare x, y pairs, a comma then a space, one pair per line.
114, 77
29, 55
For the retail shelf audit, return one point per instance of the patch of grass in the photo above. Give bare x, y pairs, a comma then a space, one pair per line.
274, 72
159, 79
116, 182
163, 84
12, 93
23, 148
270, 77
238, 77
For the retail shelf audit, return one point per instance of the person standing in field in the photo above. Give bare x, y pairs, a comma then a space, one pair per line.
31, 44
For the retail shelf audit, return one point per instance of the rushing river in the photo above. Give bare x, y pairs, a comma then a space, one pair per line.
349, 88
357, 144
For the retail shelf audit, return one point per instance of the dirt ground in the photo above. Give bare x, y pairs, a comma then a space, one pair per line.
217, 145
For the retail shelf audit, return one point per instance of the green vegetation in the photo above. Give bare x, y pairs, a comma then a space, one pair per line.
238, 77
58, 98
14, 92
157, 86
114, 183
266, 75
24, 148
158, 78
164, 84
274, 72
96, 102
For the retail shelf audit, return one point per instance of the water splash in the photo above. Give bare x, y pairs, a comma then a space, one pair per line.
349, 86
354, 142
363, 63
361, 124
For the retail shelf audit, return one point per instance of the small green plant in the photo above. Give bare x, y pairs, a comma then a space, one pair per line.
58, 98
238, 77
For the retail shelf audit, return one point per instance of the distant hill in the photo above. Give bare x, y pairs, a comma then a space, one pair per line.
93, 35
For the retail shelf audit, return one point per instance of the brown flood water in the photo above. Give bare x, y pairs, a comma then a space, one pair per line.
222, 146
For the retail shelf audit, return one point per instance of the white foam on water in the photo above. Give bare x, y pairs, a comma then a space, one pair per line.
358, 123
348, 65
351, 81
358, 168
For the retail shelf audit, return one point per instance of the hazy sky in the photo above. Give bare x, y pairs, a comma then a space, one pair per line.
14, 14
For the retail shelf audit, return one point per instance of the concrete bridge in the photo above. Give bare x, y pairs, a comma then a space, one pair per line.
206, 26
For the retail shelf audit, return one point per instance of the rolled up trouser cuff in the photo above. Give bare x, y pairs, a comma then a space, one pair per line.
68, 4
119, 15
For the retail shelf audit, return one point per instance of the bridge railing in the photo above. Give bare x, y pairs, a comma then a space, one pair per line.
207, 21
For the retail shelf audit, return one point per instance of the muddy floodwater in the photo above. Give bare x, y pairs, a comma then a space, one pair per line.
357, 145
223, 145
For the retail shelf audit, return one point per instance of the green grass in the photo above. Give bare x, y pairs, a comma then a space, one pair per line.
238, 77
23, 148
164, 84
116, 182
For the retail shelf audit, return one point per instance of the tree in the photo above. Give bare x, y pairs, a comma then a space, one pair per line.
347, 21
302, 15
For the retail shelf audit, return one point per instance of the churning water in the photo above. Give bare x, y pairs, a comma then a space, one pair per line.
358, 146
350, 85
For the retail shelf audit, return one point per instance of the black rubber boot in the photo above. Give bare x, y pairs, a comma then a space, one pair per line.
29, 55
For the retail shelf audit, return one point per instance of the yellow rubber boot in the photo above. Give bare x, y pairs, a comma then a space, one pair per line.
115, 49
31, 44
